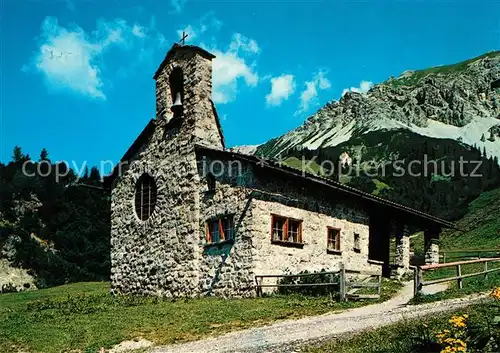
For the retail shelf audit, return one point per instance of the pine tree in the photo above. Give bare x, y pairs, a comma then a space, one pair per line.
44, 155
483, 138
94, 174
86, 173
17, 154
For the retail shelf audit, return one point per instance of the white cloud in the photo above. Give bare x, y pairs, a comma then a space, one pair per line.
323, 82
71, 59
230, 67
190, 31
244, 44
177, 5
111, 33
364, 87
155, 35
205, 23
138, 31
308, 96
66, 59
282, 87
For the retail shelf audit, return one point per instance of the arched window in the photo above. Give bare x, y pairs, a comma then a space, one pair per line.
145, 196
176, 90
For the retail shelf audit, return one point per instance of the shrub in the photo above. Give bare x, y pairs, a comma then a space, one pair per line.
315, 278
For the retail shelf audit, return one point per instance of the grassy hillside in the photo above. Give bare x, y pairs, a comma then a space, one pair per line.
83, 317
480, 227
414, 77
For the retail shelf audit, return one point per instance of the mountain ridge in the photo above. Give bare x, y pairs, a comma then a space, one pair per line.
453, 101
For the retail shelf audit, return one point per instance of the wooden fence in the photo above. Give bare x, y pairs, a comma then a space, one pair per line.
419, 283
259, 279
345, 293
339, 283
468, 254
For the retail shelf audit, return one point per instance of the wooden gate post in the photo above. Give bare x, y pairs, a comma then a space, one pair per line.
417, 280
459, 275
486, 270
342, 282
258, 288
379, 289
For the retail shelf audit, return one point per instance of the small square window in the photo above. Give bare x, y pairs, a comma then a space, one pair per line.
228, 227
293, 231
333, 239
220, 229
278, 228
286, 229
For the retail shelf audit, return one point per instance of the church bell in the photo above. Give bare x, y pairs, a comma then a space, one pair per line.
177, 106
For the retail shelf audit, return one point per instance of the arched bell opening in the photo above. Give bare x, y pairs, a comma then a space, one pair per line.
177, 91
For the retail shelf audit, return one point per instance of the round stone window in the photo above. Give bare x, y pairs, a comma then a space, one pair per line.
145, 196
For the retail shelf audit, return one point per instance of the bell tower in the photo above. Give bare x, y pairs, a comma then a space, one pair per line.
184, 95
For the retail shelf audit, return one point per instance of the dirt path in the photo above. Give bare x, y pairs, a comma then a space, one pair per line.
435, 288
293, 332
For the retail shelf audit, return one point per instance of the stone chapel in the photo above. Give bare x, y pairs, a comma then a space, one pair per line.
191, 218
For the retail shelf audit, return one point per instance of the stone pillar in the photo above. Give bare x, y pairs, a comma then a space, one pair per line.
402, 258
431, 247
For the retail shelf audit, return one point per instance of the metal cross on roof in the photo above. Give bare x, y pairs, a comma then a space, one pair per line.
183, 39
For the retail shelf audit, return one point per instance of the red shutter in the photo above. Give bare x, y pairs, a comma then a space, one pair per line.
207, 227
222, 236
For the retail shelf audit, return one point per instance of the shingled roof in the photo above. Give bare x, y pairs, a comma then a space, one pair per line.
274, 165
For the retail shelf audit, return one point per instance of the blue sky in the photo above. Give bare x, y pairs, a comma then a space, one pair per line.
76, 75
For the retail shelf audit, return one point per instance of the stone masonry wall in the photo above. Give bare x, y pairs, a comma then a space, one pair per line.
198, 113
161, 256
157, 256
313, 256
230, 269
227, 269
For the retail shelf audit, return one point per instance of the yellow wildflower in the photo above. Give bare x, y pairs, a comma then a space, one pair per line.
496, 293
455, 339
458, 321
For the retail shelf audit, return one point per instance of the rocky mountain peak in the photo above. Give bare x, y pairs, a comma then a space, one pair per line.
458, 100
